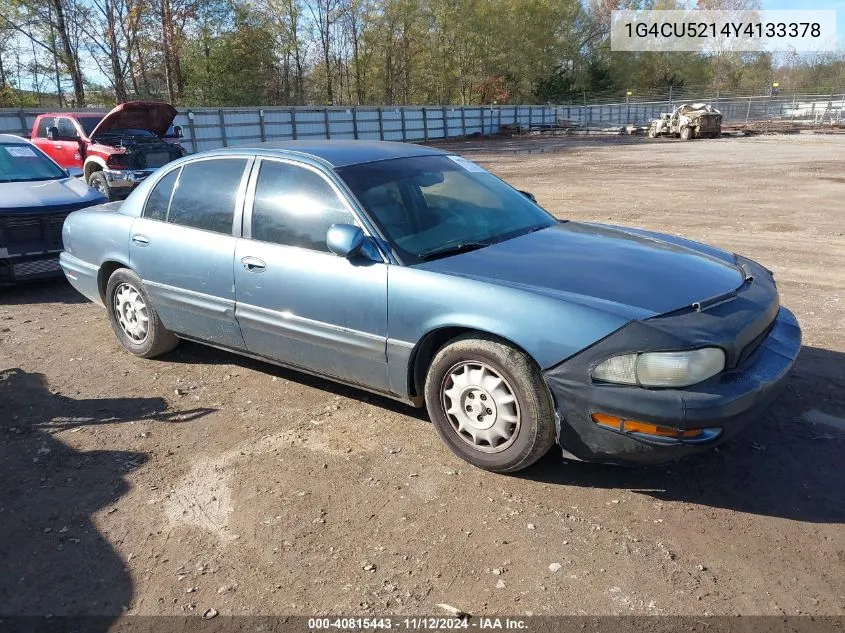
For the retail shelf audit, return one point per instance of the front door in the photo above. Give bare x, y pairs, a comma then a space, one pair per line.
297, 302
66, 148
183, 247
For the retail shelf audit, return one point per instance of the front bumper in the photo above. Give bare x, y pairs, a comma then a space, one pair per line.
125, 178
727, 402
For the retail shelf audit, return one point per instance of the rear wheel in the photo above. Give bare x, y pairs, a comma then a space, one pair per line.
133, 318
489, 404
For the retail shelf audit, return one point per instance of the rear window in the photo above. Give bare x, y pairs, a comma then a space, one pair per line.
21, 162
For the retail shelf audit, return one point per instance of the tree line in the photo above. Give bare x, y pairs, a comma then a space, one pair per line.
293, 52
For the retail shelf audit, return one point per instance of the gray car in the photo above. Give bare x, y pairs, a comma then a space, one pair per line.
36, 196
416, 274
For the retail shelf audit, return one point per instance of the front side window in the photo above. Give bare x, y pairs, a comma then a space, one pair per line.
67, 130
159, 200
205, 194
295, 206
21, 162
426, 204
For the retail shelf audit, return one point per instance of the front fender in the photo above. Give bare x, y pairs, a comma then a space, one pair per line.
547, 328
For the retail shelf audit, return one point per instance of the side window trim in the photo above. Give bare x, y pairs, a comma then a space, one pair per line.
342, 195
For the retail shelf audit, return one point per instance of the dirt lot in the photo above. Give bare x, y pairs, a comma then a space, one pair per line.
205, 480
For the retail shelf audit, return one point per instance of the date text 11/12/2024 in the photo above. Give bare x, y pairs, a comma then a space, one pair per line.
416, 623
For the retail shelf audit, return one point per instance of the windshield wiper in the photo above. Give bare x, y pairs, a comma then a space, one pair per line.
451, 249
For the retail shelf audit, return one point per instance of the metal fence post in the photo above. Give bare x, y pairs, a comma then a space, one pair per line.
404, 128
499, 119
530, 117
22, 118
193, 130
380, 123
293, 123
328, 122
261, 125
748, 112
425, 124
463, 121
223, 128
355, 121
445, 123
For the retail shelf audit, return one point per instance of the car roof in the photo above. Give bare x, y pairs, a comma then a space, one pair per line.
341, 153
76, 114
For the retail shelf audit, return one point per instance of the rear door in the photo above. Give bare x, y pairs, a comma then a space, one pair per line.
297, 302
183, 247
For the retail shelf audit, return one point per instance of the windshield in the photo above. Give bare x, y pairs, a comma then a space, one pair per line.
88, 123
21, 162
440, 205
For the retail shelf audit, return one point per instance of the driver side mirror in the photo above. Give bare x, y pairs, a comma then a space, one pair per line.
528, 195
344, 240
53, 133
177, 130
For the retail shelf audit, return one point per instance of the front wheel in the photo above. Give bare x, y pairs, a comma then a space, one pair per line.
489, 404
686, 133
134, 319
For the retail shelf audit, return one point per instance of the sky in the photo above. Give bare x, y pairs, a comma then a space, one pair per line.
819, 5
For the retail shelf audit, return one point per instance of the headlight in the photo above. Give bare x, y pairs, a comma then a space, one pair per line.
662, 369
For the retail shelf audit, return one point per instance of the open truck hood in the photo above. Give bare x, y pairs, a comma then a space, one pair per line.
154, 116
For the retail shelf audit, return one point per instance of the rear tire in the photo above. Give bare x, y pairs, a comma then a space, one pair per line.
133, 317
686, 133
489, 404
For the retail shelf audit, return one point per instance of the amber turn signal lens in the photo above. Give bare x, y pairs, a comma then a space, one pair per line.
646, 428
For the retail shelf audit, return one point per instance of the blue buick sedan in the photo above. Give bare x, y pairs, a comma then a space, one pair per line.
415, 273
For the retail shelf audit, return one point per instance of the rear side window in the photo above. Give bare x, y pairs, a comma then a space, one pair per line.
159, 200
295, 207
205, 194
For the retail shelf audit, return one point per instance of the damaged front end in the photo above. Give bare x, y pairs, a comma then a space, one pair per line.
638, 424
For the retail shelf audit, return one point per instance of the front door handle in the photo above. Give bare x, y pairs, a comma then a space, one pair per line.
140, 240
57, 146
253, 264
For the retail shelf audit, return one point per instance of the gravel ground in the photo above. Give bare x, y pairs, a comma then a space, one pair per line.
204, 480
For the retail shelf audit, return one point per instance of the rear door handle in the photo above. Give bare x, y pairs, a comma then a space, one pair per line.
141, 240
253, 264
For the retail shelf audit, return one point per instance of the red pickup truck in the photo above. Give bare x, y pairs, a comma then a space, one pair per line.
115, 151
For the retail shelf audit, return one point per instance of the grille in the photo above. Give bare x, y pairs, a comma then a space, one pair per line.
22, 231
44, 230
37, 267
156, 159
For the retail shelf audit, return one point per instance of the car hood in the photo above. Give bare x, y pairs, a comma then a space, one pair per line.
143, 115
46, 196
624, 273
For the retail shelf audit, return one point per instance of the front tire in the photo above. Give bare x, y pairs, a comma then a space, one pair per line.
133, 317
489, 404
97, 181
686, 133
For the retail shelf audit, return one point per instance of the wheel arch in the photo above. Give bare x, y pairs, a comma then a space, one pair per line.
436, 339
106, 270
92, 164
